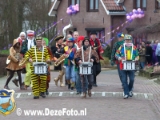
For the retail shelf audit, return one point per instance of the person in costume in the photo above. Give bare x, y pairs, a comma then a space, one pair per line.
38, 53
13, 65
78, 80
27, 45
57, 51
91, 56
95, 43
69, 52
75, 36
116, 46
45, 44
127, 52
21, 39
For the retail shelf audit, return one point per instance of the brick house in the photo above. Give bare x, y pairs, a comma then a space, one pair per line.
104, 16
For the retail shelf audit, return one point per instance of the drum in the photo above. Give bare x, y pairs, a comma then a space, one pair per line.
129, 65
40, 68
85, 68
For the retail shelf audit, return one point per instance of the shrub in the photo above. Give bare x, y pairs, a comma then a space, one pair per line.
107, 52
4, 52
105, 62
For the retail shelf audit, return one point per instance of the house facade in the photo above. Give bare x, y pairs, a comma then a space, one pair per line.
106, 17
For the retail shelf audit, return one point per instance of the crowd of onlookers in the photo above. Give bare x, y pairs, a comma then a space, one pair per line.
149, 53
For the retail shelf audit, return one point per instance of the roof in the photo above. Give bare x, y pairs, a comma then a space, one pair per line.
114, 7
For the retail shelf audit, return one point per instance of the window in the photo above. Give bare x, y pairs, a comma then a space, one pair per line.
92, 5
73, 2
157, 4
140, 4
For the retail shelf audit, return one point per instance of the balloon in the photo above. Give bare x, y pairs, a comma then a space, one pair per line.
133, 17
127, 14
139, 10
77, 8
128, 17
130, 20
136, 15
139, 16
74, 12
134, 10
131, 13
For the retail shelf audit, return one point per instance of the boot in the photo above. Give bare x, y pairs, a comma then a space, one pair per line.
84, 95
89, 93
72, 85
69, 86
6, 87
15, 81
56, 81
36, 97
42, 94
47, 93
22, 87
61, 78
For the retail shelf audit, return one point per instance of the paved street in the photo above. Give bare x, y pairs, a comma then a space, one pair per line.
106, 101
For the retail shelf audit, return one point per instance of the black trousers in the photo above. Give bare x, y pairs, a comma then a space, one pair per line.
11, 74
87, 81
96, 71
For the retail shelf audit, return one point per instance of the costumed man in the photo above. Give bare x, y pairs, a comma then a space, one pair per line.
69, 52
26, 45
57, 51
78, 80
21, 39
13, 66
36, 54
120, 42
95, 43
45, 44
86, 54
129, 52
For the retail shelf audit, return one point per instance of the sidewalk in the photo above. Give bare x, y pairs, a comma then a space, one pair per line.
106, 103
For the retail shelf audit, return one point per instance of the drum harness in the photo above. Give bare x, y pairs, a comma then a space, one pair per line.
36, 53
85, 76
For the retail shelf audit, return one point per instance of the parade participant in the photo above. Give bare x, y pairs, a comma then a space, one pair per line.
26, 45
69, 52
78, 81
120, 42
95, 43
21, 39
37, 54
75, 36
86, 54
45, 44
127, 52
13, 65
57, 51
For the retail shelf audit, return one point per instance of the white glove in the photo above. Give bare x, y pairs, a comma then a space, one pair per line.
136, 59
119, 58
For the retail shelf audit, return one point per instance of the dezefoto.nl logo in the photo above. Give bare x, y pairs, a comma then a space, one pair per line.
48, 112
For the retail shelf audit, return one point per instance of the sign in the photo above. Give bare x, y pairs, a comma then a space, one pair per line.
7, 102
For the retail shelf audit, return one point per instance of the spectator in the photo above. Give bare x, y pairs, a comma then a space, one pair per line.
148, 53
142, 58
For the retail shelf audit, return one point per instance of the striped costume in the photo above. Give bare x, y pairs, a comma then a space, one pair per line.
37, 89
